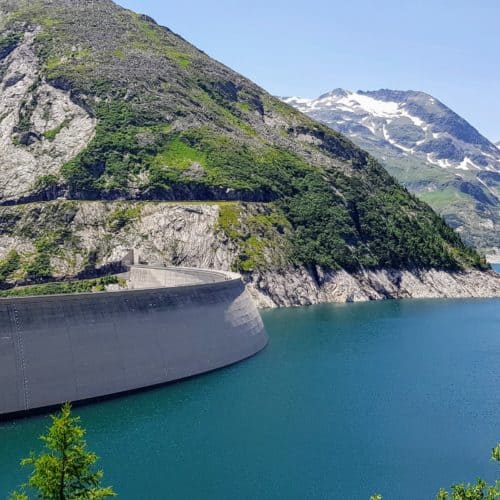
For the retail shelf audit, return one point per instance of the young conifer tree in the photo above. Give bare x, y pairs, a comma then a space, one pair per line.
65, 470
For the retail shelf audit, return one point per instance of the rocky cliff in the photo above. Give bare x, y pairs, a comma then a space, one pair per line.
58, 130
116, 134
96, 234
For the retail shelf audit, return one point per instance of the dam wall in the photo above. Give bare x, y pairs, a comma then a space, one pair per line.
83, 346
151, 277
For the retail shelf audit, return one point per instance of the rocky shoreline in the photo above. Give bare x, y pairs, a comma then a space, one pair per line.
298, 287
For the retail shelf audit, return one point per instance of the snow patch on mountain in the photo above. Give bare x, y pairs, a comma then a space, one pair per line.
411, 122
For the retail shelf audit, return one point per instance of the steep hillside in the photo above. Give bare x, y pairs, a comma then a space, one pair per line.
434, 152
99, 103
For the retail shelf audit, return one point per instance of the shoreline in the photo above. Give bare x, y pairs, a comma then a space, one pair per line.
301, 287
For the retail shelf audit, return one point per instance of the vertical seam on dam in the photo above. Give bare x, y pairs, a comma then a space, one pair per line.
67, 331
20, 348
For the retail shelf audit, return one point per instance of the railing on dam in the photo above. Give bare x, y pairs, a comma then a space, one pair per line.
142, 277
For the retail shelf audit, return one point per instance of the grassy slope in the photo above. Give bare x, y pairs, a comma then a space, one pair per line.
174, 124
458, 208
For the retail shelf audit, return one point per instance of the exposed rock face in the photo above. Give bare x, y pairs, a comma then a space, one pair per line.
41, 128
183, 235
297, 286
191, 235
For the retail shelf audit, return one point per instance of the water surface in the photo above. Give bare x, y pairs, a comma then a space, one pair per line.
397, 397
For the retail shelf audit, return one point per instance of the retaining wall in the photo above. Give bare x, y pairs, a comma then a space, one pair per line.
81, 346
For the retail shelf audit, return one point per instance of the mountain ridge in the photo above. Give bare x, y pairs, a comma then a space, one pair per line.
428, 147
100, 104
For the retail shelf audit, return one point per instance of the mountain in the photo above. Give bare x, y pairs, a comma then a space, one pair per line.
116, 133
497, 144
434, 152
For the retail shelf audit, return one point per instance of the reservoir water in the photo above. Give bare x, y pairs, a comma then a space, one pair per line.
396, 397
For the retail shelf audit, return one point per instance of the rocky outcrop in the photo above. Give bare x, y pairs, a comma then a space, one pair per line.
297, 286
99, 233
41, 128
180, 235
191, 234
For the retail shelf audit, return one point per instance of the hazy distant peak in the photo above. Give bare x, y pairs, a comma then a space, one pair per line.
335, 93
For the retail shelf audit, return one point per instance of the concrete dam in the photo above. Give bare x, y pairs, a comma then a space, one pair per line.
171, 323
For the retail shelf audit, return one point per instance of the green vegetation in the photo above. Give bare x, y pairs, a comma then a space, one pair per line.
244, 106
253, 254
267, 172
8, 43
115, 154
46, 182
168, 165
122, 217
50, 135
83, 286
25, 114
47, 246
119, 53
262, 237
9, 40
45, 238
263, 169
150, 35
346, 222
478, 491
375, 223
66, 470
8, 266
229, 219
443, 197
184, 60
111, 157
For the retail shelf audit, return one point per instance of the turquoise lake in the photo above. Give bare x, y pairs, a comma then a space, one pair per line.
396, 397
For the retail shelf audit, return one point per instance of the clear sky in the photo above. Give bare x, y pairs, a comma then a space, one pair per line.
449, 48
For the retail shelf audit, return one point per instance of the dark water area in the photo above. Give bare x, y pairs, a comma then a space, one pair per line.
396, 397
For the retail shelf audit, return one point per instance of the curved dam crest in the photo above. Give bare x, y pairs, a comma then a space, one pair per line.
173, 323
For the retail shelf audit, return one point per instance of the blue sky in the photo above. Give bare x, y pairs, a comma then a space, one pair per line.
449, 48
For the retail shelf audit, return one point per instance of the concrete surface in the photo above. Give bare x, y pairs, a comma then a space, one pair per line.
82, 346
